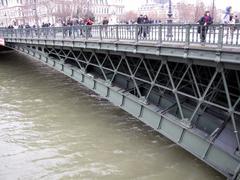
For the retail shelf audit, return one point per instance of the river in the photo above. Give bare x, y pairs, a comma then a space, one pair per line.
51, 127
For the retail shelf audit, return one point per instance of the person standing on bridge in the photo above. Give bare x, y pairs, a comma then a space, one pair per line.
226, 17
204, 22
105, 25
89, 22
69, 25
145, 26
237, 22
140, 21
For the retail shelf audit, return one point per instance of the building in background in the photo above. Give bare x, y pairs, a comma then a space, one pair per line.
158, 9
33, 12
184, 11
112, 9
18, 12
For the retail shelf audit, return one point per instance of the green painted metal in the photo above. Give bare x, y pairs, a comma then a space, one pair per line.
179, 88
164, 123
198, 54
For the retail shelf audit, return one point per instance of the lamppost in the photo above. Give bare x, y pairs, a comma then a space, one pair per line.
169, 21
213, 8
88, 5
35, 13
5, 15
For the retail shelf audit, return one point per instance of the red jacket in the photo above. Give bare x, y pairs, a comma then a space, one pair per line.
89, 22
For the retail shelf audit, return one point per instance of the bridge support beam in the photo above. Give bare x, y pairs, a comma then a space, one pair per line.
168, 96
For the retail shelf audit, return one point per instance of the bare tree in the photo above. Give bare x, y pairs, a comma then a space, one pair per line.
199, 10
64, 12
185, 12
129, 16
50, 6
217, 14
153, 15
81, 8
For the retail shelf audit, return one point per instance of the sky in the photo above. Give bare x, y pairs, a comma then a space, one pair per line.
221, 4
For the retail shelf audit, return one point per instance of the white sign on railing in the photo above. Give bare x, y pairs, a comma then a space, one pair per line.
2, 42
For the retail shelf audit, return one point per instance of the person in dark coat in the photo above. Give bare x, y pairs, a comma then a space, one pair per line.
69, 25
89, 23
236, 20
204, 23
27, 29
140, 21
105, 25
146, 26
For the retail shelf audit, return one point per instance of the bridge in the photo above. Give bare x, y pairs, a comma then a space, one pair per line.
162, 74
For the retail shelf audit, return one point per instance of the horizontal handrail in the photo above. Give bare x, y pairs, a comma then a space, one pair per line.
217, 35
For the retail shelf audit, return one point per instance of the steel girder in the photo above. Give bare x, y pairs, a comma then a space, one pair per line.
203, 99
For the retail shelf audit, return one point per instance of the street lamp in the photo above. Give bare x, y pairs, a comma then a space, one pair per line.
213, 8
35, 13
169, 21
5, 15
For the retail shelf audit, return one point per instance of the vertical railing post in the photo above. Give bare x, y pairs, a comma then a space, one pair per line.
187, 38
220, 36
31, 29
38, 32
73, 31
86, 32
160, 40
11, 30
48, 32
100, 32
136, 33
54, 32
35, 32
117, 33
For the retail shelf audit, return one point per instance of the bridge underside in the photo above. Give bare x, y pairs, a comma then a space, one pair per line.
195, 105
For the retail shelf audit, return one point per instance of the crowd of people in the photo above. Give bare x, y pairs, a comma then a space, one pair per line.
73, 25
143, 28
67, 25
228, 19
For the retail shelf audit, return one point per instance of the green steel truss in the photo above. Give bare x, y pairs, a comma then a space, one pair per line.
195, 105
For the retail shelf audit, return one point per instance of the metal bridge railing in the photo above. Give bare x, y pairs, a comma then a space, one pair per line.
217, 35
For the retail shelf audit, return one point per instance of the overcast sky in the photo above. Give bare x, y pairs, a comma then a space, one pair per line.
222, 4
